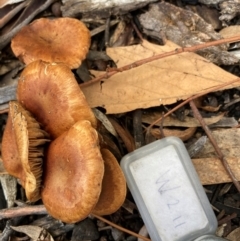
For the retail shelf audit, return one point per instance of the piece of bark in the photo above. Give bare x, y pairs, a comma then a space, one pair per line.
9, 185
8, 86
229, 10
210, 15
184, 28
228, 141
103, 8
210, 2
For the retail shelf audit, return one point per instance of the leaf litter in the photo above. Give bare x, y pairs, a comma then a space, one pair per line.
164, 82
160, 82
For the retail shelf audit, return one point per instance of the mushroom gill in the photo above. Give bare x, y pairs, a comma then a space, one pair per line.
22, 149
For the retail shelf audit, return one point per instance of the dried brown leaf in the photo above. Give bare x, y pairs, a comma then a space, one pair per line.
182, 134
234, 235
171, 121
34, 232
211, 170
163, 81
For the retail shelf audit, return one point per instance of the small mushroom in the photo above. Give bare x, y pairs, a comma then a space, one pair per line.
65, 40
51, 93
73, 173
22, 149
114, 188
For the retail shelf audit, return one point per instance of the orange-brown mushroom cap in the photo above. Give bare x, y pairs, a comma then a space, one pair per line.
51, 93
73, 173
114, 186
22, 149
65, 40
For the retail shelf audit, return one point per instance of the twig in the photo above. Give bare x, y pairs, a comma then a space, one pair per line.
40, 209
216, 147
120, 228
22, 211
227, 218
106, 34
4, 111
161, 126
136, 30
160, 56
137, 128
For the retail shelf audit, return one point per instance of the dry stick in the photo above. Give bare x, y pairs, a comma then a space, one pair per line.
40, 209
22, 211
227, 218
213, 141
121, 228
114, 71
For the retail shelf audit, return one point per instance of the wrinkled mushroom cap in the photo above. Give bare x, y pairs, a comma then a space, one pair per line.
114, 186
22, 149
73, 173
65, 40
51, 93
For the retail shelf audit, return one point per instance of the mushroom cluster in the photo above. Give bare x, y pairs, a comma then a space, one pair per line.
74, 176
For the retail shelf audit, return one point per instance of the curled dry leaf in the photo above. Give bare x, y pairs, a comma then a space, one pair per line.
104, 120
160, 82
171, 121
34, 232
182, 134
124, 135
210, 107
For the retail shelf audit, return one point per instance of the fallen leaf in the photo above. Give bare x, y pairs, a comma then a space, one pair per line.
234, 235
211, 170
171, 121
182, 134
230, 31
160, 82
34, 232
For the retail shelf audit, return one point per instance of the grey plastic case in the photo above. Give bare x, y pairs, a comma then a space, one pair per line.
168, 192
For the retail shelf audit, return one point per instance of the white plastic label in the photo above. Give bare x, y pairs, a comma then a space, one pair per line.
168, 194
